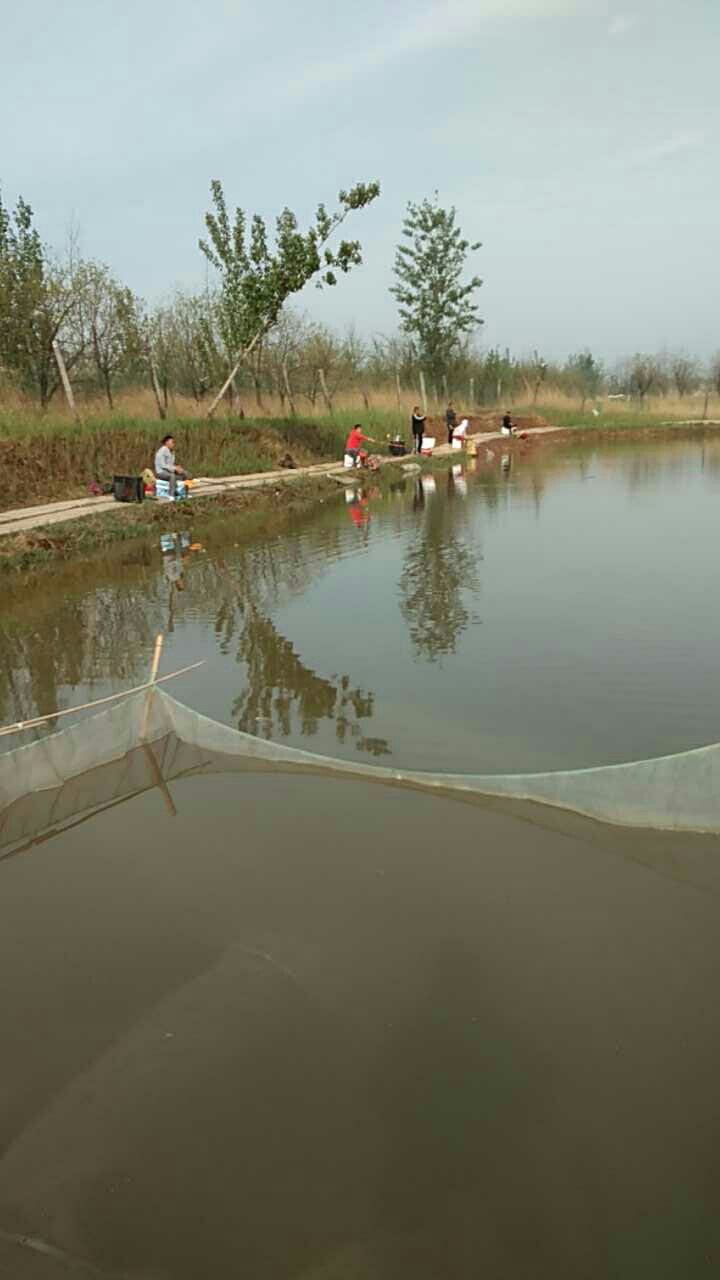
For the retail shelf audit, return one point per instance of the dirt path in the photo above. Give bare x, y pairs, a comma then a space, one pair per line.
23, 519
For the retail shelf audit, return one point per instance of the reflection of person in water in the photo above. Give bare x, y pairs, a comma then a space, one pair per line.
174, 572
173, 546
359, 512
418, 496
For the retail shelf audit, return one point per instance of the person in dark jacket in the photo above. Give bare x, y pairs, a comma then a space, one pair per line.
418, 428
450, 420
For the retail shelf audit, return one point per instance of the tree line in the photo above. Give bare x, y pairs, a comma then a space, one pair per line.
239, 338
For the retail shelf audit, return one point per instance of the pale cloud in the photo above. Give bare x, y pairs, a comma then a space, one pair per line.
441, 24
676, 142
621, 24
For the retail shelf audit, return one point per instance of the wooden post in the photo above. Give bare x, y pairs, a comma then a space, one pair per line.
323, 388
472, 395
445, 389
151, 683
423, 393
154, 380
288, 388
158, 779
65, 380
397, 388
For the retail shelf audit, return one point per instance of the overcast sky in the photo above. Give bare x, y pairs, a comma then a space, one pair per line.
577, 138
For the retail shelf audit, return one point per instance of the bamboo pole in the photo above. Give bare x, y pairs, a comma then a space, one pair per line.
36, 721
151, 683
67, 388
158, 779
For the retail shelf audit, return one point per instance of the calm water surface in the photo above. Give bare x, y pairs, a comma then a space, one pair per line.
331, 1031
559, 609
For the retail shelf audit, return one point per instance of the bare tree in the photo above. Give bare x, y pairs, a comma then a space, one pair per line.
112, 316
644, 375
684, 375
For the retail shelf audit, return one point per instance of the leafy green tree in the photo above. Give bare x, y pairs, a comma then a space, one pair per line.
435, 307
39, 303
256, 281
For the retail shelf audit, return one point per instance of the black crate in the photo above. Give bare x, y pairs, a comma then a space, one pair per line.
128, 488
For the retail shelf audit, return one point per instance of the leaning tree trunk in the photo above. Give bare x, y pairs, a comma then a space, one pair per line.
154, 381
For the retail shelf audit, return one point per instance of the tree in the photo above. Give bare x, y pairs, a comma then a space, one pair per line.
255, 281
644, 374
684, 375
438, 569
39, 304
435, 307
538, 371
584, 375
113, 318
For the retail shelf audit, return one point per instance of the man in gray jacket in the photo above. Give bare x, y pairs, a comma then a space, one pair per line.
165, 468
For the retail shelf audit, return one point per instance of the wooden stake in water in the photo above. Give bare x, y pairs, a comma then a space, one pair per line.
151, 683
67, 388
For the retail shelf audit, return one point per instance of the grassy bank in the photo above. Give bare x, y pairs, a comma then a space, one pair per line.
252, 511
44, 461
48, 458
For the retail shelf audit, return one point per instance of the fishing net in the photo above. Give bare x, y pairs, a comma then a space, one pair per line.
150, 739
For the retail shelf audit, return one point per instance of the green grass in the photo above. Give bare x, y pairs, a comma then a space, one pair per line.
617, 420
45, 460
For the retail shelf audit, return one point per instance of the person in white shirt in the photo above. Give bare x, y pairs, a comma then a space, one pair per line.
165, 468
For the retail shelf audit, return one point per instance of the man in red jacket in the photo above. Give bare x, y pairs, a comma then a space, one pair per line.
354, 440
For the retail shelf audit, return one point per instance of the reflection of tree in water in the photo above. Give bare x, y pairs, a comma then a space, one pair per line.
103, 630
437, 570
74, 641
279, 684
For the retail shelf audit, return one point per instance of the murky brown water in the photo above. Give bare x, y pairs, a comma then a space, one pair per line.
318, 1029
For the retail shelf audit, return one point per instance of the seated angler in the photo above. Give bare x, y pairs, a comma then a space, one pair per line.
165, 467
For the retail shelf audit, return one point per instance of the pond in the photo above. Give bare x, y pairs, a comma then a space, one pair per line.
323, 1029
555, 610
